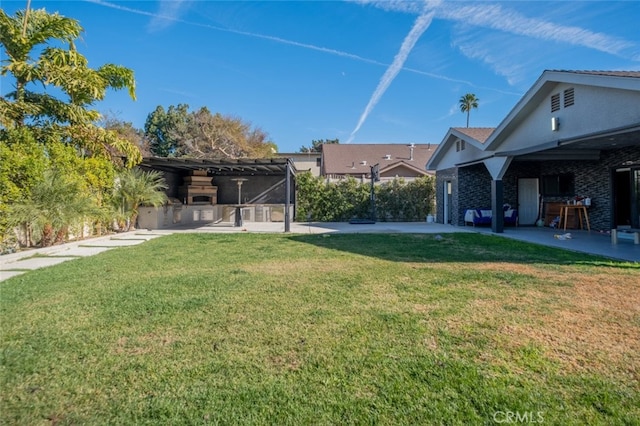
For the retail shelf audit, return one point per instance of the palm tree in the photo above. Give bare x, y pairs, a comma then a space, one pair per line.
467, 103
134, 188
29, 40
55, 204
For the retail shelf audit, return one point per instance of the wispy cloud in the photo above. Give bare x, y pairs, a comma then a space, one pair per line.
420, 26
174, 18
496, 17
504, 55
168, 16
510, 58
169, 12
453, 110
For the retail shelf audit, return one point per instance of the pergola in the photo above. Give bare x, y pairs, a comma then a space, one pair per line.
241, 167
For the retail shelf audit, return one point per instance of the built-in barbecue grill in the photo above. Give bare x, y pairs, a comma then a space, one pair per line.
198, 189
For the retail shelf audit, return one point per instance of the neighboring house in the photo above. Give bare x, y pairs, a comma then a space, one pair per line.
304, 161
574, 134
394, 161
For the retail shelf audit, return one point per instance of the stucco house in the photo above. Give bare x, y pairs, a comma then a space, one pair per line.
405, 161
574, 137
303, 161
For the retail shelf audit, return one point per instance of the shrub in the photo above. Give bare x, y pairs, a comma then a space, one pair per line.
347, 199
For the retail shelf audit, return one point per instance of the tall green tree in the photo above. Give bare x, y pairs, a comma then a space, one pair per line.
467, 103
48, 126
54, 88
177, 132
162, 129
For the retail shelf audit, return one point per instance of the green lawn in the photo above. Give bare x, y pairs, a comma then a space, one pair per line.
315, 329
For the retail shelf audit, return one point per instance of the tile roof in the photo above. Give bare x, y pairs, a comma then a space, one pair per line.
357, 159
480, 134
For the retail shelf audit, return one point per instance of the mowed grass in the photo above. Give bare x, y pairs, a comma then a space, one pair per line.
311, 329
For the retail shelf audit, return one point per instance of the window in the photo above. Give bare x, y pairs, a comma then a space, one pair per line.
555, 102
318, 161
558, 185
569, 98
459, 145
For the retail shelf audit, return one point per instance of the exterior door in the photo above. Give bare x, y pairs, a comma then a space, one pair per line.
635, 204
528, 201
626, 198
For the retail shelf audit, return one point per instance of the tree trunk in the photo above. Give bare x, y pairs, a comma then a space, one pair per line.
47, 236
132, 222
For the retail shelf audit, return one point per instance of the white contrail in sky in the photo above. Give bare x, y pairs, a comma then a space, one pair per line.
421, 25
172, 17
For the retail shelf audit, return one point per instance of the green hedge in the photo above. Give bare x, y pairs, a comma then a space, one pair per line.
396, 201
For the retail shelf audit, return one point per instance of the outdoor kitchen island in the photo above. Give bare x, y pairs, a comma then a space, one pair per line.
221, 192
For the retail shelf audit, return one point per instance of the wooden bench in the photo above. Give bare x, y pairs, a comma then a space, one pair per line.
627, 234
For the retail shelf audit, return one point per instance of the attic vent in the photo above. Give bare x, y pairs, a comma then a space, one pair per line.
387, 157
555, 102
568, 97
363, 162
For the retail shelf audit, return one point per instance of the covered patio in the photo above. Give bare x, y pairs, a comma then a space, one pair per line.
572, 143
203, 191
588, 242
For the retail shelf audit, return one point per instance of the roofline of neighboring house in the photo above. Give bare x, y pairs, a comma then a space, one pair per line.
284, 154
402, 163
444, 144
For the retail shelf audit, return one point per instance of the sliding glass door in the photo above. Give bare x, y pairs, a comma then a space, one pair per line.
626, 200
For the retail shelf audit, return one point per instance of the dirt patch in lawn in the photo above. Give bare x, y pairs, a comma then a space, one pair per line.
584, 321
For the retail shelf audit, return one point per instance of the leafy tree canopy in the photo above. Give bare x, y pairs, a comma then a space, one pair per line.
125, 130
316, 145
40, 56
177, 132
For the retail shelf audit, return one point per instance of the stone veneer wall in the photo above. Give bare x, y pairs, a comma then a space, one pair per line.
601, 192
472, 185
476, 183
593, 179
518, 170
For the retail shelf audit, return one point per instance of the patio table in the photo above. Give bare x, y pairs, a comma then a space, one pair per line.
580, 210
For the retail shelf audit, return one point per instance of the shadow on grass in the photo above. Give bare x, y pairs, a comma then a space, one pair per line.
455, 247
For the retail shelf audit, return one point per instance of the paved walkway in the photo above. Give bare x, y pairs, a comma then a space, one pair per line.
580, 241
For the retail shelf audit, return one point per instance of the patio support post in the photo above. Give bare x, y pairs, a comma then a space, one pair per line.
497, 201
287, 197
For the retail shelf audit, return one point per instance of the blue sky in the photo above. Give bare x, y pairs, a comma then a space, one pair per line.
361, 71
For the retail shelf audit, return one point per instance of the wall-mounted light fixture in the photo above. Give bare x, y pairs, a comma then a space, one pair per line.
555, 124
